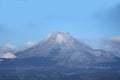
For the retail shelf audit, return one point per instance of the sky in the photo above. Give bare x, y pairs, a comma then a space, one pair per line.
32, 20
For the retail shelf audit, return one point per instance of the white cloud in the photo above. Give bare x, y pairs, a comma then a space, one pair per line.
10, 46
13, 49
30, 44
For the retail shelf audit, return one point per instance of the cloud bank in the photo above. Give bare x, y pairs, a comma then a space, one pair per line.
9, 48
112, 45
109, 17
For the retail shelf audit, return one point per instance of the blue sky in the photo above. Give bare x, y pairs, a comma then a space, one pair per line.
25, 20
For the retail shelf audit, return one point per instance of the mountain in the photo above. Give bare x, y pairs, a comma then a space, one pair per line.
60, 57
67, 50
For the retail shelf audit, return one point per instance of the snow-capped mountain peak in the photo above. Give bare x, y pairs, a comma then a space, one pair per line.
66, 49
59, 37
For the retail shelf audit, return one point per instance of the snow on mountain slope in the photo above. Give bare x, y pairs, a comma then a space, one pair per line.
66, 49
9, 56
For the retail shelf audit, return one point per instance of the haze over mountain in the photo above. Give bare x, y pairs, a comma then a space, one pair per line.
112, 45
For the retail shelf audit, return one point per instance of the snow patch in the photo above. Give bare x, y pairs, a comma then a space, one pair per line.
59, 38
9, 56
